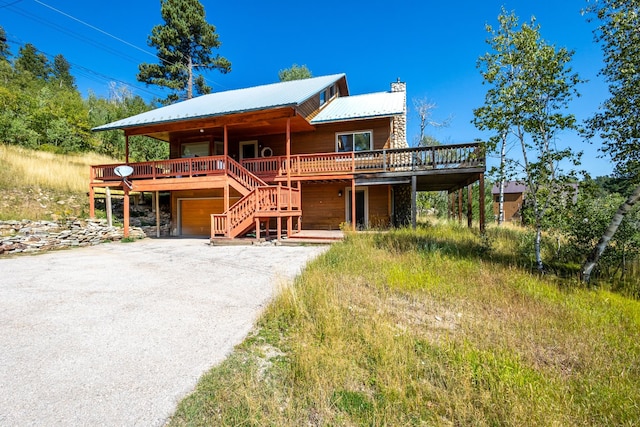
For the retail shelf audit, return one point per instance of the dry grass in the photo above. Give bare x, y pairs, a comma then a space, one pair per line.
28, 168
37, 184
433, 327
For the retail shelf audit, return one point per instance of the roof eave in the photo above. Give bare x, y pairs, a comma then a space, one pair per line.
348, 119
199, 117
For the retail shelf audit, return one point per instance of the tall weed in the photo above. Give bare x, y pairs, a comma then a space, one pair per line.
424, 328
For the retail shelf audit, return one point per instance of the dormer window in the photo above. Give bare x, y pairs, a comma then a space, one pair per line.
328, 94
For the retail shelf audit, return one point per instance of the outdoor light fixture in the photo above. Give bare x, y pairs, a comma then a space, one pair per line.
339, 193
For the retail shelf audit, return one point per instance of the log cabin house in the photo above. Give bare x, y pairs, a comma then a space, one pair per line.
289, 156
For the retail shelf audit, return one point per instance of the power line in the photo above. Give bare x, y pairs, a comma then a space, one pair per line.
90, 73
10, 4
72, 34
119, 39
95, 28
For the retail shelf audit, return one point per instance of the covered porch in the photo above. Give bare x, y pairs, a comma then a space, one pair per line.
276, 181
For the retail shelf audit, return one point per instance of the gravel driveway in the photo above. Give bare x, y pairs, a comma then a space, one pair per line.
117, 334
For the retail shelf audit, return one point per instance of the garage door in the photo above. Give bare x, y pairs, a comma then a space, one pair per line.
195, 215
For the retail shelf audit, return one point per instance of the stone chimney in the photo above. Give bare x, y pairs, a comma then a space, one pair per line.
399, 137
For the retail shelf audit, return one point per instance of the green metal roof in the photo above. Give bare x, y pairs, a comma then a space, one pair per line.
282, 94
382, 104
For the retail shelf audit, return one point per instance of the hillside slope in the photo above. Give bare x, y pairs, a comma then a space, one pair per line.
39, 185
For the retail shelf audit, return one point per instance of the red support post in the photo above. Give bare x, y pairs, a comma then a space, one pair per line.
469, 206
126, 211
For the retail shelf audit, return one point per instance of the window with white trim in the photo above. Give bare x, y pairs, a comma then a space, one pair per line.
354, 141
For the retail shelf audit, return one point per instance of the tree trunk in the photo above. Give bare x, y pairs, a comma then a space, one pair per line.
501, 203
594, 256
503, 156
190, 80
537, 245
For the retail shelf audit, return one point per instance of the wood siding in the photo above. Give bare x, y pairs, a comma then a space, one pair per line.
379, 215
323, 140
512, 205
324, 209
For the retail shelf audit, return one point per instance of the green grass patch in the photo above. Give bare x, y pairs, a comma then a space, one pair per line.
429, 327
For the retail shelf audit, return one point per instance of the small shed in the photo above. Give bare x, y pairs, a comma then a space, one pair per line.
513, 198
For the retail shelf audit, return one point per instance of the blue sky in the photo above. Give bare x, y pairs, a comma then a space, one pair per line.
431, 45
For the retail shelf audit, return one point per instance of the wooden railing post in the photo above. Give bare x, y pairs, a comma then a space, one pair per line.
433, 157
384, 160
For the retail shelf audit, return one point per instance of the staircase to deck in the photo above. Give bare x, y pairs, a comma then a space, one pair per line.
259, 202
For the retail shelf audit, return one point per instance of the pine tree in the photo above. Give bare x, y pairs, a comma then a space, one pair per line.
29, 60
185, 43
62, 72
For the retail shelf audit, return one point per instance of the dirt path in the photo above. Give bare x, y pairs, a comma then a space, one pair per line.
117, 334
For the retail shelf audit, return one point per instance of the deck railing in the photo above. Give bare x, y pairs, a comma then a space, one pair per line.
181, 168
391, 160
252, 172
172, 168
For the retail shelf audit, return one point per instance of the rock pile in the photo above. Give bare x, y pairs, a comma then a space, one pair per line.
32, 236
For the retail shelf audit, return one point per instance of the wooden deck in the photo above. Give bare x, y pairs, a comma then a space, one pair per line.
435, 160
265, 183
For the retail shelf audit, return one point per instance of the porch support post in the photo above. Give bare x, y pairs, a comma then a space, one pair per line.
157, 207
414, 205
460, 205
279, 227
288, 143
389, 203
257, 229
469, 206
226, 195
481, 204
107, 206
92, 202
225, 143
289, 226
299, 224
279, 210
353, 204
126, 211
450, 207
126, 148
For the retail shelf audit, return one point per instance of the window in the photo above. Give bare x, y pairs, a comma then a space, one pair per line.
194, 149
354, 141
218, 148
327, 94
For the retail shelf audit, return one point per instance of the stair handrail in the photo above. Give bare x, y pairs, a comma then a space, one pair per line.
243, 175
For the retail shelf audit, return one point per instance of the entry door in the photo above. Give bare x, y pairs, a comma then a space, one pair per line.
248, 149
361, 208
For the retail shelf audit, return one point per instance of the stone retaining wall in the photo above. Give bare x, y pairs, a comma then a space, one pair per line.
32, 236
